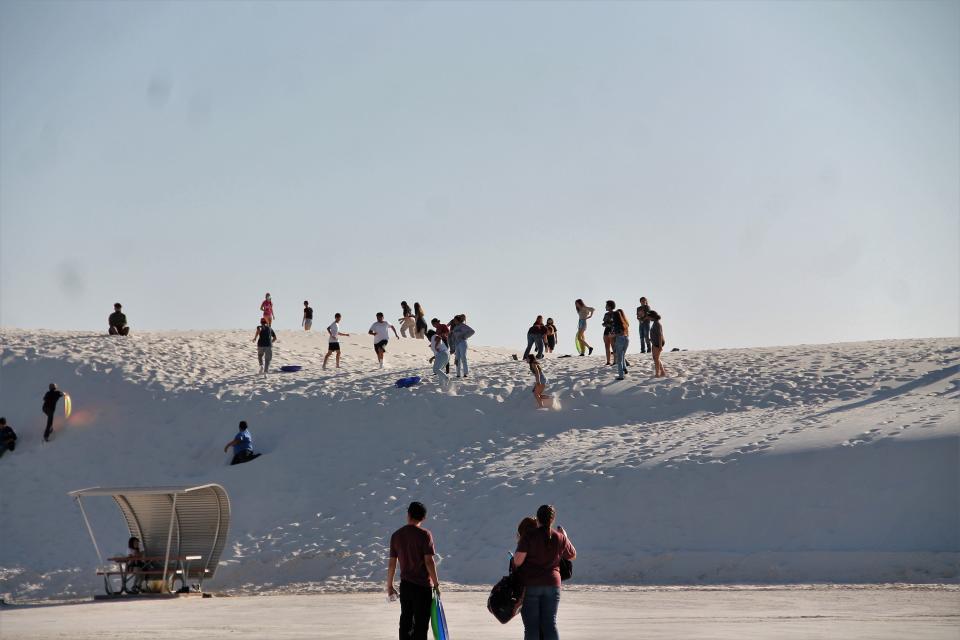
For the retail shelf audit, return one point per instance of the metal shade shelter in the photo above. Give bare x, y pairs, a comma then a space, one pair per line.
172, 522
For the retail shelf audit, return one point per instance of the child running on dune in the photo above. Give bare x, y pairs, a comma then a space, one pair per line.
539, 382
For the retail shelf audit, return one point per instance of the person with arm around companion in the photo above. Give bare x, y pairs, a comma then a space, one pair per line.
643, 321
266, 309
411, 548
307, 321
333, 344
264, 337
461, 333
50, 400
621, 341
535, 338
408, 324
8, 437
608, 330
380, 330
657, 343
584, 313
118, 321
242, 444
537, 560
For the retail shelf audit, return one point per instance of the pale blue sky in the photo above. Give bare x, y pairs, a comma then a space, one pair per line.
766, 173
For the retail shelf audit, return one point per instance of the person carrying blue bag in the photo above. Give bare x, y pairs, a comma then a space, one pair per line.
411, 547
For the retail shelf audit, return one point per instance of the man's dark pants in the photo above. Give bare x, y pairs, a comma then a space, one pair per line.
49, 429
415, 602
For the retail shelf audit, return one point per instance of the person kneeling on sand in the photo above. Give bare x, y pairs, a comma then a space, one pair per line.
411, 547
8, 437
242, 445
539, 382
118, 321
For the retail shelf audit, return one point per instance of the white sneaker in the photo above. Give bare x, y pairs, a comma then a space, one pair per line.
381, 364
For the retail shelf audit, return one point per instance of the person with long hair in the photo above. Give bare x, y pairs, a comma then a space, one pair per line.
537, 560
551, 334
408, 324
266, 309
420, 320
459, 336
539, 380
621, 341
584, 313
535, 337
608, 333
657, 343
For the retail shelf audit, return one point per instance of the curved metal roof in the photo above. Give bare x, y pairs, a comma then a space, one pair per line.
201, 519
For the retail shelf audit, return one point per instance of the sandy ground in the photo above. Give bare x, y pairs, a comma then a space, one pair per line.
867, 613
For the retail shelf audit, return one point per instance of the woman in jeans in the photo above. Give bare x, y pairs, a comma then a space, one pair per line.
538, 567
621, 341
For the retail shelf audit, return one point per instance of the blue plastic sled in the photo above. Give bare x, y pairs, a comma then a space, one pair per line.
438, 620
290, 368
403, 383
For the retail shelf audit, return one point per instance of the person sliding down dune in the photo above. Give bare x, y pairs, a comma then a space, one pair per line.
242, 444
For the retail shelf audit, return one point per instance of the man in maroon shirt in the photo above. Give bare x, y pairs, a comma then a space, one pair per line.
412, 546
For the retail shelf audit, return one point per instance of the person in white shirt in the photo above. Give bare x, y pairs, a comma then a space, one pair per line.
442, 356
334, 344
380, 330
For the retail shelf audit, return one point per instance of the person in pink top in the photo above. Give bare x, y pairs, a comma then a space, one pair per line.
266, 307
538, 568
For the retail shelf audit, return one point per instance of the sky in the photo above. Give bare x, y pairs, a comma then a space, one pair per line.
766, 173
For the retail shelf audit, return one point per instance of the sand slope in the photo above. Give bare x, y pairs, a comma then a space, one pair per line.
807, 463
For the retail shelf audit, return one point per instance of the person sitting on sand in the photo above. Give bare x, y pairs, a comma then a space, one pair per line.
657, 343
539, 381
134, 563
118, 321
242, 444
8, 437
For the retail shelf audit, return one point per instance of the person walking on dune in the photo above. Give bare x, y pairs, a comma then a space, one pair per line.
266, 309
333, 343
420, 320
118, 321
657, 343
307, 321
584, 313
441, 357
264, 337
408, 324
380, 330
621, 340
537, 560
643, 321
608, 335
535, 337
459, 336
50, 400
411, 547
242, 444
539, 381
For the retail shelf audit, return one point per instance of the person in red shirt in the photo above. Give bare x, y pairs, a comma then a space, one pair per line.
538, 568
411, 547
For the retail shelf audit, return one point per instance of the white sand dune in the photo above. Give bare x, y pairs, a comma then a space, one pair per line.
830, 463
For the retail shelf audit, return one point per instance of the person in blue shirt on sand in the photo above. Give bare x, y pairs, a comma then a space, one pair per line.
242, 445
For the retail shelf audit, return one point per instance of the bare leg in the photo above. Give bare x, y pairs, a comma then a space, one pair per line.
608, 347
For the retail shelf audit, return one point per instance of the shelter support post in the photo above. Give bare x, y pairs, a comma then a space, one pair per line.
166, 559
90, 530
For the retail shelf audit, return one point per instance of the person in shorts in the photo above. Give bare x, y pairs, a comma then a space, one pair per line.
411, 547
333, 346
380, 330
307, 321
